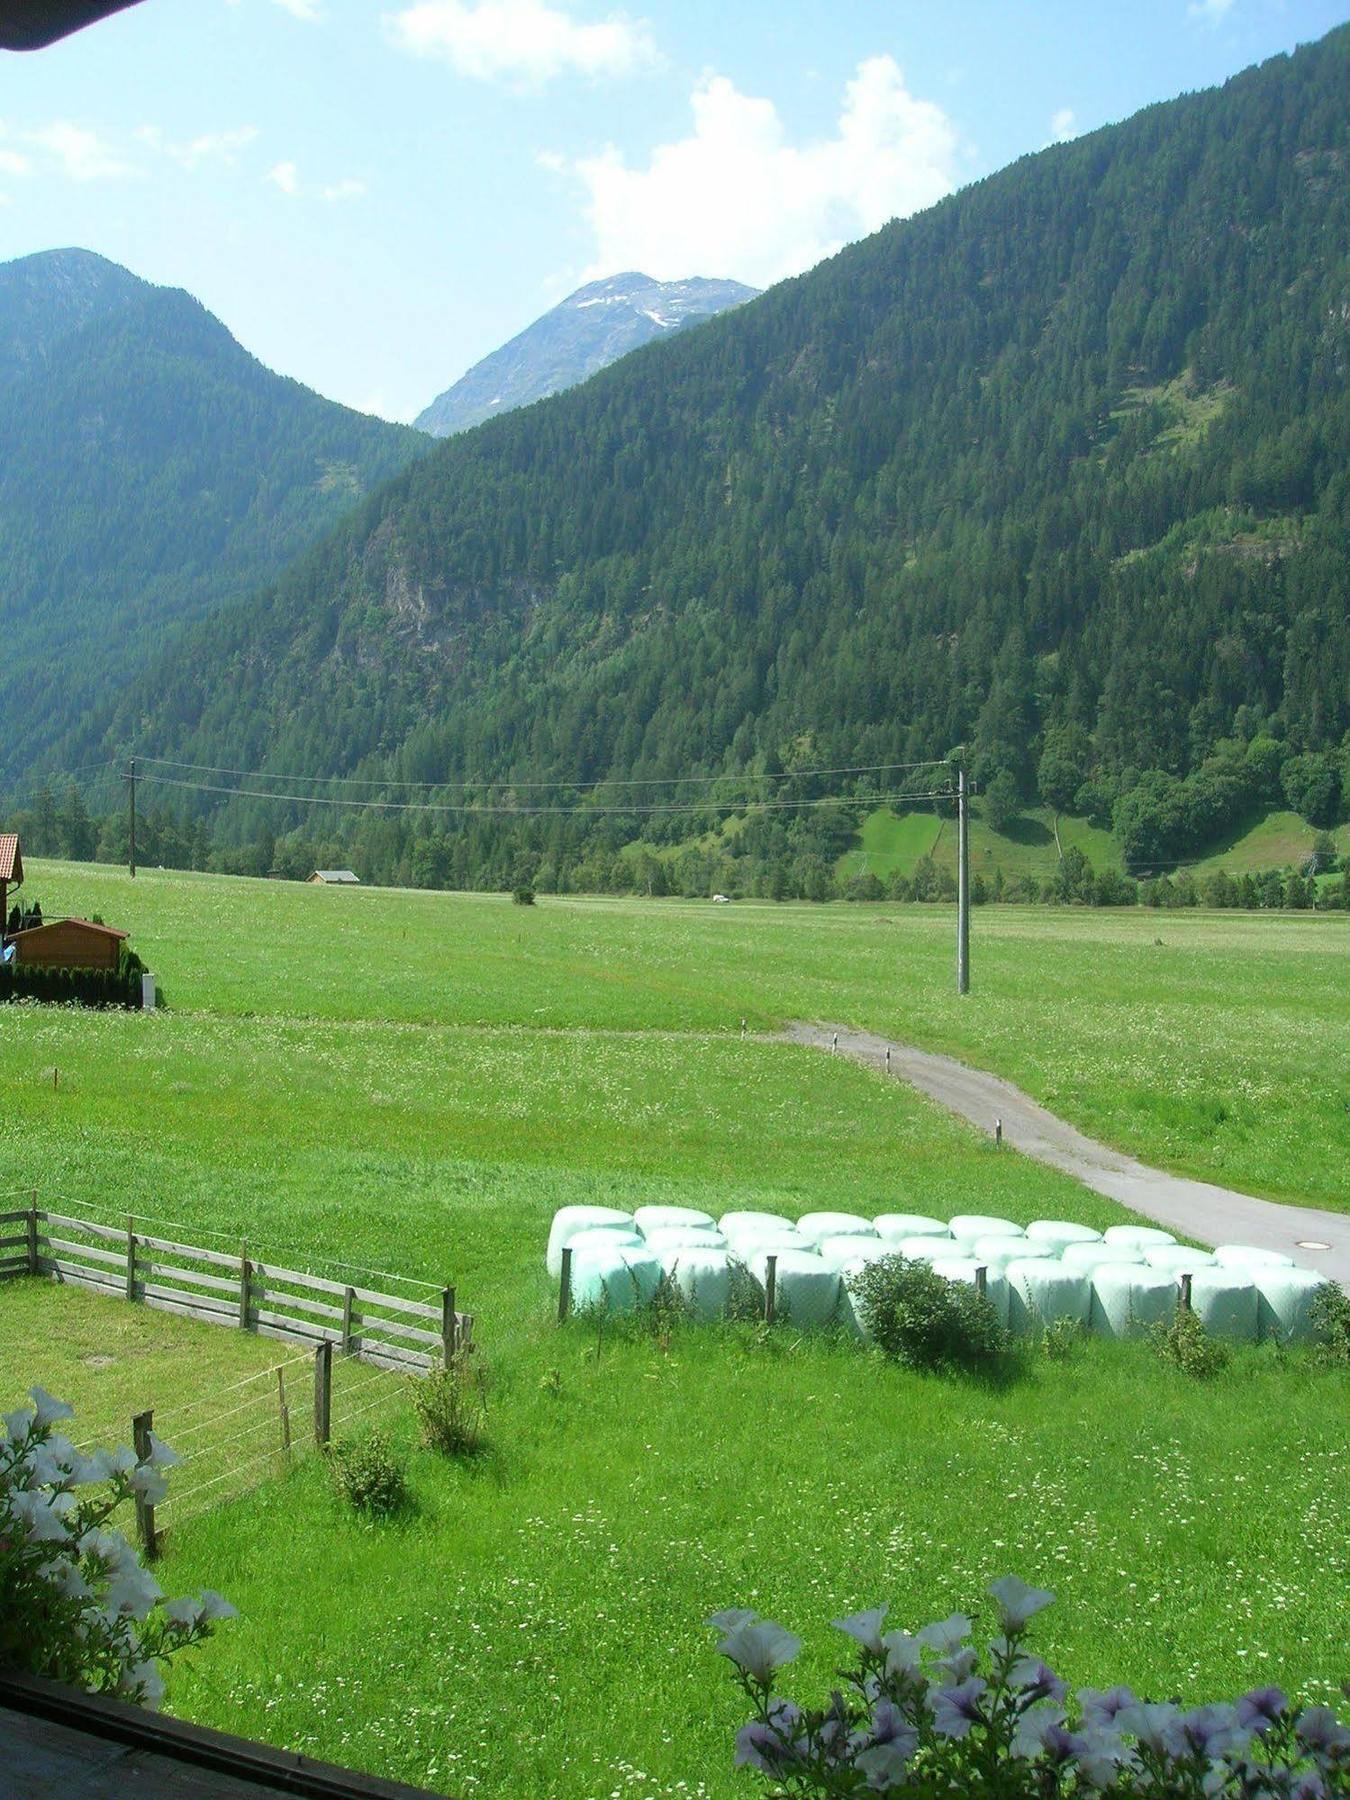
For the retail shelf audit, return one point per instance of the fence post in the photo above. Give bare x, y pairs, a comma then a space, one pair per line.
1186, 1293
131, 1259
145, 1512
348, 1300
32, 1236
449, 1333
982, 1282
284, 1413
998, 1134
245, 1283
770, 1288
323, 1393
565, 1287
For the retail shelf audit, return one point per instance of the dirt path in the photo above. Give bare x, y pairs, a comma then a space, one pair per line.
1194, 1209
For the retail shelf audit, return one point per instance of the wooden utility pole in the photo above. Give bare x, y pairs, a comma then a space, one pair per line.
962, 882
131, 840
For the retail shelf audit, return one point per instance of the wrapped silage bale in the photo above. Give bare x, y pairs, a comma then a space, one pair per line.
735, 1224
1042, 1290
1224, 1301
653, 1218
1247, 1256
902, 1225
744, 1246
616, 1278
1177, 1259
926, 1249
807, 1290
1053, 1236
684, 1237
1284, 1300
995, 1252
1141, 1236
966, 1227
840, 1250
817, 1226
625, 1236
569, 1219
967, 1269
702, 1277
1086, 1257
1129, 1299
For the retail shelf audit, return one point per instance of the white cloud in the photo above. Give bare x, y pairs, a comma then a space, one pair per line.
286, 176
736, 198
12, 163
521, 43
1212, 10
350, 189
79, 153
308, 10
212, 146
1063, 126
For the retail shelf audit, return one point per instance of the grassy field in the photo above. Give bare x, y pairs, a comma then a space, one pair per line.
892, 843
415, 1081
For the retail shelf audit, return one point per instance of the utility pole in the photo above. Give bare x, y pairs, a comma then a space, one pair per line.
131, 794
962, 882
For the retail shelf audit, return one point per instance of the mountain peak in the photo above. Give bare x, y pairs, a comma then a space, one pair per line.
583, 334
49, 295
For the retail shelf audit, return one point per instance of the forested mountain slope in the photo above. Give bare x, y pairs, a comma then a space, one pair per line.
1057, 469
149, 470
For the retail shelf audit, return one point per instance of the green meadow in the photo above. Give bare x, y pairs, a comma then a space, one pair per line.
414, 1081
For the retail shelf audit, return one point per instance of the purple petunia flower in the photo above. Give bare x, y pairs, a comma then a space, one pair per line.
1261, 1708
955, 1709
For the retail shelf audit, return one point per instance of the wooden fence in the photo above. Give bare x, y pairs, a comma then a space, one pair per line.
383, 1328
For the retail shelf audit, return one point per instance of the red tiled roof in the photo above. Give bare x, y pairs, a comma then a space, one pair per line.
9, 856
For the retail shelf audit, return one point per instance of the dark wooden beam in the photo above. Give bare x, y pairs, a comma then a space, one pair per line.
33, 24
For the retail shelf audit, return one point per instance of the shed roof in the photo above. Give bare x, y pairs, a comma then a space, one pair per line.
11, 863
346, 877
86, 925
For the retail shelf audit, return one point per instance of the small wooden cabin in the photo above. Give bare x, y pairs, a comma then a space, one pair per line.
68, 944
11, 872
335, 878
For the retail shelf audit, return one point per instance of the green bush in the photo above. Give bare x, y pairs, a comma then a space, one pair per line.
1331, 1323
368, 1476
523, 896
924, 1321
1186, 1344
450, 1410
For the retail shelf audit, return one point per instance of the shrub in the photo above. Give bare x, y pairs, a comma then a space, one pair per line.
1061, 1338
523, 896
929, 1714
368, 1476
1331, 1323
923, 1320
75, 1603
1185, 1343
450, 1410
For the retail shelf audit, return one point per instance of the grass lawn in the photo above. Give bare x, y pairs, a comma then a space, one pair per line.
415, 1081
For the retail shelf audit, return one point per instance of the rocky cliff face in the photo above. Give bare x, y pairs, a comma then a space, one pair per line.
585, 333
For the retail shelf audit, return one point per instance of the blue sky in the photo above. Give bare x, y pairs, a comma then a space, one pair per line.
372, 194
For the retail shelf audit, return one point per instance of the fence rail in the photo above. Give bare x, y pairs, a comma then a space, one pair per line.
384, 1329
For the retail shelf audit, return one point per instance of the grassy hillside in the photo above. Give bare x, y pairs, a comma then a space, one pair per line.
891, 843
414, 1081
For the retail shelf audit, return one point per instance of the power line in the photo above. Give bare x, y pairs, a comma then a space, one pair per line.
163, 762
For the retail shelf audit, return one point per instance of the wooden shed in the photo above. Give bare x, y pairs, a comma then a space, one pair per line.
68, 944
335, 878
11, 872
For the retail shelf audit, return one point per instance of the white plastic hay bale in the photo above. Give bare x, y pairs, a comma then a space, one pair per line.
1053, 1236
1086, 1257
837, 1251
902, 1225
1130, 1299
817, 1226
1042, 1291
614, 1277
745, 1223
1141, 1236
966, 1227
687, 1237
925, 1249
626, 1237
655, 1218
807, 1290
702, 1277
967, 1269
747, 1245
1225, 1302
1284, 1300
1248, 1256
995, 1252
1177, 1259
569, 1219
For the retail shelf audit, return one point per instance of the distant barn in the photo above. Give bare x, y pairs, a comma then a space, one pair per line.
336, 878
11, 872
68, 944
